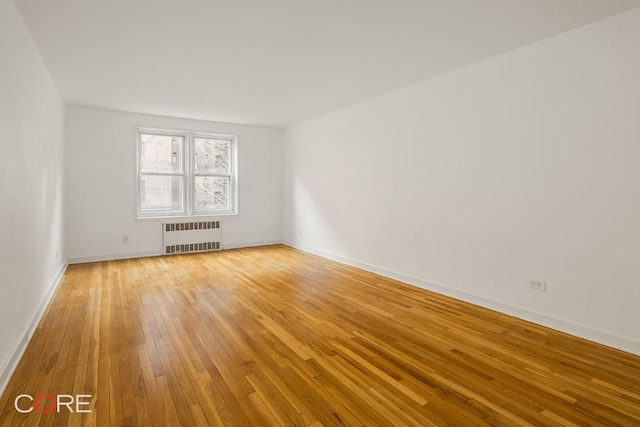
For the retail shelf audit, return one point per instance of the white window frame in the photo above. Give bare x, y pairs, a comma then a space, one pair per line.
189, 174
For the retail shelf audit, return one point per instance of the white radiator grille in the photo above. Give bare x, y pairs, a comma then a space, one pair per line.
185, 237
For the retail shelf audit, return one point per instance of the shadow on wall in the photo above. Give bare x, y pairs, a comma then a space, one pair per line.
309, 224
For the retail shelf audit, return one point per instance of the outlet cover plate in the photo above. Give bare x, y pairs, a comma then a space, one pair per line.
538, 285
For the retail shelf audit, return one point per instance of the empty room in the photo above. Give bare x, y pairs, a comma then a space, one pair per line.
320, 213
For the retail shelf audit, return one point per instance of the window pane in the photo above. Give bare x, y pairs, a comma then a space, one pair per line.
161, 153
161, 193
212, 193
212, 155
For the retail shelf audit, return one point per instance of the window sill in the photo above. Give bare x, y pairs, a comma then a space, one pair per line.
192, 217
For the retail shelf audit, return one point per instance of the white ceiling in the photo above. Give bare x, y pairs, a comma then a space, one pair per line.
277, 62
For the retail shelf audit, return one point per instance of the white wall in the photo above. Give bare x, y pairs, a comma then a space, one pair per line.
31, 187
101, 184
524, 166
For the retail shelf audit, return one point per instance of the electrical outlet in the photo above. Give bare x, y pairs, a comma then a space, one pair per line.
125, 240
57, 254
538, 285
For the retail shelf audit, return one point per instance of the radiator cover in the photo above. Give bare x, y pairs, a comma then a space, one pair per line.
186, 237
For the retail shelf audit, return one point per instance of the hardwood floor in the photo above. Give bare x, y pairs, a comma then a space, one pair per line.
274, 336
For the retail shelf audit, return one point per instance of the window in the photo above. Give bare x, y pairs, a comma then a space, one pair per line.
185, 173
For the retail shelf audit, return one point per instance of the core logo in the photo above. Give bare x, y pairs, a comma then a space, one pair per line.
45, 403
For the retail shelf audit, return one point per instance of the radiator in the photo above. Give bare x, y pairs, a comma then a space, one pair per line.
185, 237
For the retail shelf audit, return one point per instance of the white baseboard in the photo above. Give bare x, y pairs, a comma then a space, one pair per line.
251, 244
582, 331
113, 257
21, 345
130, 255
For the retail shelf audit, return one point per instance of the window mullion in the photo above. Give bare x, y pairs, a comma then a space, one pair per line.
189, 169
212, 174
162, 174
